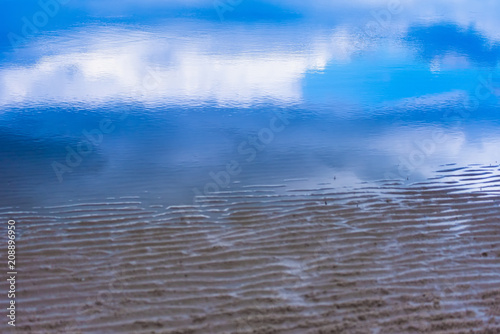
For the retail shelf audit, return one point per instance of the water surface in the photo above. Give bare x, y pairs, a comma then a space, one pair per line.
158, 100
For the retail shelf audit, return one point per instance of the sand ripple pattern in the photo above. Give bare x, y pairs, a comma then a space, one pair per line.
385, 257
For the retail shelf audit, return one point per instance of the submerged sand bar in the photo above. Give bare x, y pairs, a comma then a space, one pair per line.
391, 258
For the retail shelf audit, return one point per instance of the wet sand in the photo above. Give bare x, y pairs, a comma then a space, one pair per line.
385, 257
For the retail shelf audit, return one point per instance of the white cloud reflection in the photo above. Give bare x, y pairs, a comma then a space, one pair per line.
163, 69
232, 64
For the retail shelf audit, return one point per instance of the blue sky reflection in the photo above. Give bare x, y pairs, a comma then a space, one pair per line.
363, 83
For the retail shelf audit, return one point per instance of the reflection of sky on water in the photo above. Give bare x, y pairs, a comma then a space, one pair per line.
165, 68
359, 101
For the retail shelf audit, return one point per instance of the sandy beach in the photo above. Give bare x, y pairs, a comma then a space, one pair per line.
383, 258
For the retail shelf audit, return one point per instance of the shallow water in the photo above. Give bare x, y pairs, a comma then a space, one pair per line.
240, 166
362, 93
389, 258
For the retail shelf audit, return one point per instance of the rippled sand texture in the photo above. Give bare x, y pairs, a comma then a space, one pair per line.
383, 258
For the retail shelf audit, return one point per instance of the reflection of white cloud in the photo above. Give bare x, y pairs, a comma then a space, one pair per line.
448, 99
223, 64
184, 71
464, 13
419, 151
449, 62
